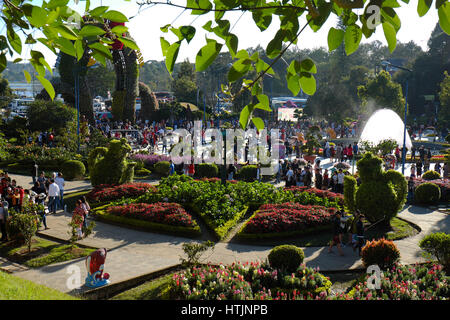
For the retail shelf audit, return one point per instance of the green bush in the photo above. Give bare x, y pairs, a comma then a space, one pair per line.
162, 168
206, 170
431, 175
247, 173
427, 193
286, 257
382, 252
438, 245
142, 172
349, 193
73, 169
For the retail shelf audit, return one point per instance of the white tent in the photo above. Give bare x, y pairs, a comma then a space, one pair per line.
385, 124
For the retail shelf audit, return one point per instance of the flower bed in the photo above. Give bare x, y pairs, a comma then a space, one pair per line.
248, 281
288, 217
301, 195
166, 213
417, 282
103, 193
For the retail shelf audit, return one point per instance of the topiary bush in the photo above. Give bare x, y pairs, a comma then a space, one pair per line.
349, 193
381, 195
247, 173
382, 252
109, 165
206, 170
286, 257
142, 172
431, 175
427, 193
162, 168
438, 245
73, 169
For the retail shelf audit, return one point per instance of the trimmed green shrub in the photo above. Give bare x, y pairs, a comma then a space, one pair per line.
162, 168
431, 175
73, 169
247, 173
381, 194
286, 257
427, 193
118, 104
438, 245
142, 172
382, 252
206, 170
109, 165
349, 193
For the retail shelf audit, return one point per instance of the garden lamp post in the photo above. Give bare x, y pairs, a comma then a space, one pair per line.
387, 63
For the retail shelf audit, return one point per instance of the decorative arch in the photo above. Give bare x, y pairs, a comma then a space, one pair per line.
149, 103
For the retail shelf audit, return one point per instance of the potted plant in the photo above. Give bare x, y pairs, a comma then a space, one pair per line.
313, 137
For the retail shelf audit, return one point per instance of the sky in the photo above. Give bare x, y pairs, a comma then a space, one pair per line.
144, 25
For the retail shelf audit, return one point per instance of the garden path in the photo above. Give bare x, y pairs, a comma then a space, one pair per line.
133, 253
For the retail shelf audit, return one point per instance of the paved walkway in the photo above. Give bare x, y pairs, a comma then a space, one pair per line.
133, 253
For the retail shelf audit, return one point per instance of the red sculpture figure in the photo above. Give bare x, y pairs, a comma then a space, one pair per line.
95, 264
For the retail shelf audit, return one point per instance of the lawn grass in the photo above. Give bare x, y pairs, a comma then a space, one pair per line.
151, 290
43, 252
14, 288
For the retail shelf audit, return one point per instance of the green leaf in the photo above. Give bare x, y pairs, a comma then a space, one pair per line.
38, 17
239, 69
352, 38
101, 49
261, 66
258, 122
262, 19
3, 62
164, 45
47, 86
79, 49
199, 4
293, 82
207, 55
264, 103
17, 60
14, 40
187, 32
391, 36
232, 44
90, 30
66, 32
275, 45
47, 66
115, 16
128, 43
307, 65
27, 76
171, 55
119, 30
66, 46
308, 83
391, 16
53, 4
423, 6
335, 37
99, 57
243, 118
444, 17
97, 12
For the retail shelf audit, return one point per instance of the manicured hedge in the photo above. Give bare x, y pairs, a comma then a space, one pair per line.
427, 193
162, 168
206, 170
73, 169
286, 257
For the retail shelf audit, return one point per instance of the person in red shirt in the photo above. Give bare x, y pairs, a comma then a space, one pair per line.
349, 152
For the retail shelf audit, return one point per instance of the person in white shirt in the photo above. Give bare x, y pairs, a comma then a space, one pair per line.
53, 196
340, 181
61, 183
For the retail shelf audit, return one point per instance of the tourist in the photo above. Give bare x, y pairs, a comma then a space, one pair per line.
43, 213
419, 169
318, 179
290, 177
307, 179
171, 168
61, 183
279, 172
86, 208
340, 182
349, 153
413, 170
437, 168
3, 219
15, 198
335, 241
353, 231
191, 169
41, 179
258, 173
53, 196
426, 165
326, 180
445, 170
78, 218
359, 234
355, 148
411, 188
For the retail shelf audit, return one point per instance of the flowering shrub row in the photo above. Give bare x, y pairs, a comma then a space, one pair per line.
248, 281
102, 193
284, 217
299, 192
417, 282
382, 252
165, 213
